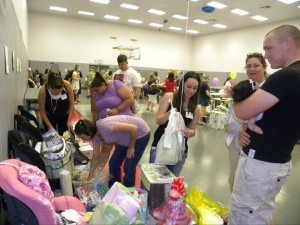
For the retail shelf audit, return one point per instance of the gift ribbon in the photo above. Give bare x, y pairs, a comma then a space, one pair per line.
178, 185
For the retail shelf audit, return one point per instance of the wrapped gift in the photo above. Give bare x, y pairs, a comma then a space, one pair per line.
217, 119
174, 211
156, 179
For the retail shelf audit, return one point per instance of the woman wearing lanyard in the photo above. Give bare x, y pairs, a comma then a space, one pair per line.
56, 103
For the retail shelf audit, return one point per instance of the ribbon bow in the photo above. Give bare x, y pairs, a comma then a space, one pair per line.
178, 185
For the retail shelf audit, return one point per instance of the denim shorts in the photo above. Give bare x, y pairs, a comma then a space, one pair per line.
204, 102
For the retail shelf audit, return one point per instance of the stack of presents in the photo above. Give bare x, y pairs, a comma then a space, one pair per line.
160, 198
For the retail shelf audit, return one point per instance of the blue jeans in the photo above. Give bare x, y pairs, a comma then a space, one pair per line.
175, 169
119, 156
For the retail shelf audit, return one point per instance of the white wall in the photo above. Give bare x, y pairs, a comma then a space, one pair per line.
227, 51
21, 10
13, 84
63, 39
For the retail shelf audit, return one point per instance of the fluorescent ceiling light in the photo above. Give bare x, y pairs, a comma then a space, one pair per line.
259, 18
135, 21
129, 6
101, 1
218, 25
288, 1
179, 17
156, 25
239, 12
157, 12
111, 17
175, 28
192, 31
194, 0
217, 5
86, 13
60, 9
201, 21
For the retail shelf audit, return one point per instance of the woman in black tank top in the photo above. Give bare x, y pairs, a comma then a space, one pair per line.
56, 104
184, 100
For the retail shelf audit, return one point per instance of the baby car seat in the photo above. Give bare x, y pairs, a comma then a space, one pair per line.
25, 204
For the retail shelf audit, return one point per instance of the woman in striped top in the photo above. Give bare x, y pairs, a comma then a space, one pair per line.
129, 134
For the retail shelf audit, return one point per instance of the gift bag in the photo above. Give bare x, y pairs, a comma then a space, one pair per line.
121, 196
171, 144
207, 210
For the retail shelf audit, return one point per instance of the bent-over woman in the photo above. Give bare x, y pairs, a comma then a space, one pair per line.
129, 134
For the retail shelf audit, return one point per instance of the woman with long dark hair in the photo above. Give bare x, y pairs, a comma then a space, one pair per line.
110, 98
185, 101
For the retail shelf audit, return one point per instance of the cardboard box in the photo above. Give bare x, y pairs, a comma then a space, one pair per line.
217, 120
156, 179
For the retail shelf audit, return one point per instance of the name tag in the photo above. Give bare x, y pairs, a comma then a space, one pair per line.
64, 96
189, 115
251, 153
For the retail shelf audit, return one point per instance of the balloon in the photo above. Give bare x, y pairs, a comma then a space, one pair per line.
178, 72
215, 81
233, 75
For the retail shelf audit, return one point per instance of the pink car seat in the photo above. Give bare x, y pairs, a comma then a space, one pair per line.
43, 208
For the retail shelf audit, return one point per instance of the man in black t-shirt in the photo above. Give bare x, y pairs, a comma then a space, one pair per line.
265, 161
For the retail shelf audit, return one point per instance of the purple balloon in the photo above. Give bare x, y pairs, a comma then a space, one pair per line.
215, 81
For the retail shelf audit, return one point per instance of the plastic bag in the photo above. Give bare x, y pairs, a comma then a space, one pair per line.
171, 144
90, 192
208, 211
120, 195
108, 213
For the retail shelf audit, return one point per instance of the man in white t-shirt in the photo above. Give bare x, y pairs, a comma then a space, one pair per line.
128, 75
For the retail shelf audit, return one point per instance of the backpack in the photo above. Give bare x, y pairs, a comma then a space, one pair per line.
153, 89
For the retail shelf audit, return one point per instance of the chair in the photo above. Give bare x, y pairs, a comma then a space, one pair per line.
28, 115
18, 119
33, 131
16, 137
27, 206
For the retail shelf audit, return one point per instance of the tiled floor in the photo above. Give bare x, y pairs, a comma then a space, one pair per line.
207, 166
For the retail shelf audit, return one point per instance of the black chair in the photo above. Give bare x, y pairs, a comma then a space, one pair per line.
18, 119
30, 117
16, 137
33, 131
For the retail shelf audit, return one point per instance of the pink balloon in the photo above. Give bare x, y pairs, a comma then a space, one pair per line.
215, 81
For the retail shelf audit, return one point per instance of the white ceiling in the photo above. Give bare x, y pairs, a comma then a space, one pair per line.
274, 10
